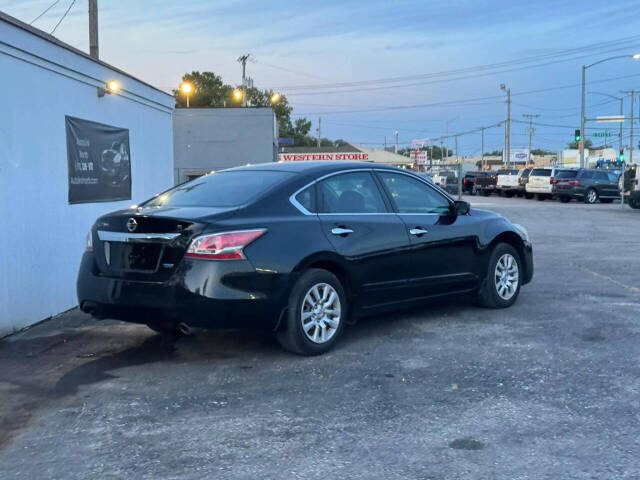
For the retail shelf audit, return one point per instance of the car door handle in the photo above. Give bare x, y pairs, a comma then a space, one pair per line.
341, 231
417, 231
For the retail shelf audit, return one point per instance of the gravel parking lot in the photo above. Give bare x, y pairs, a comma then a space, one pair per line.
549, 388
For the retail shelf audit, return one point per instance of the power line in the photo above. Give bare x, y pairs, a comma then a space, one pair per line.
45, 11
469, 101
618, 43
63, 17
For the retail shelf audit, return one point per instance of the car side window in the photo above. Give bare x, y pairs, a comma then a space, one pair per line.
602, 176
307, 198
413, 196
586, 175
613, 178
354, 192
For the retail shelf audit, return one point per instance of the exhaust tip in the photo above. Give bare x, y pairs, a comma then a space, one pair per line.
184, 328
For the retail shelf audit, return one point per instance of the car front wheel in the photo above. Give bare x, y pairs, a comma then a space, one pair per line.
591, 196
501, 285
315, 315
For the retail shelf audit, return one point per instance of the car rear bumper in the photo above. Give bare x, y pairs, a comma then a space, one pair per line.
201, 293
539, 189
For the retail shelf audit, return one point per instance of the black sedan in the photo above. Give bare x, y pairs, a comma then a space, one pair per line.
297, 248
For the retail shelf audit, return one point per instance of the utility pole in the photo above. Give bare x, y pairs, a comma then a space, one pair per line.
633, 94
530, 130
243, 60
430, 157
482, 166
385, 143
396, 140
620, 132
93, 29
507, 127
320, 130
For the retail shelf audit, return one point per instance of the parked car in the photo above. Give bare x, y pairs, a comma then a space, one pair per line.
563, 184
447, 180
523, 175
540, 183
628, 185
507, 182
587, 184
484, 185
297, 248
469, 181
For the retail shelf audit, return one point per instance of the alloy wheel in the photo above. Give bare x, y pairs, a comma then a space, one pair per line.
320, 313
592, 196
506, 276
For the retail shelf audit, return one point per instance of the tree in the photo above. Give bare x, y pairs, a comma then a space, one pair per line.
495, 153
574, 145
541, 151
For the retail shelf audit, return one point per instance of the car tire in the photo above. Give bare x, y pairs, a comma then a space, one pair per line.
528, 195
591, 196
306, 320
486, 193
634, 203
541, 197
508, 194
565, 199
499, 290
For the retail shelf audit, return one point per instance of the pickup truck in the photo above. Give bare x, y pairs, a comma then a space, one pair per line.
507, 182
484, 185
447, 180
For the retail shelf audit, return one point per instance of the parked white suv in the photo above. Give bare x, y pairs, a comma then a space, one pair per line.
540, 182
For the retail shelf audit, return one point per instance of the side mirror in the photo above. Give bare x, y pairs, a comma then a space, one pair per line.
460, 207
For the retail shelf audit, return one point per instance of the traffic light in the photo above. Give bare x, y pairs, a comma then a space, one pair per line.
621, 156
577, 137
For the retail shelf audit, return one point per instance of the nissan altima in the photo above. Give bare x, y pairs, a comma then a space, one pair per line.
300, 249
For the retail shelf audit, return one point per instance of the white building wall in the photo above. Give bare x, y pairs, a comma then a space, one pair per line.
42, 236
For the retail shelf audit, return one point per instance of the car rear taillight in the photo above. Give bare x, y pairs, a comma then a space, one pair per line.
551, 181
464, 180
574, 182
88, 244
223, 246
527, 180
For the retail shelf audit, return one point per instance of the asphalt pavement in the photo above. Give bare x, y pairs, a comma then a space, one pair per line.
549, 388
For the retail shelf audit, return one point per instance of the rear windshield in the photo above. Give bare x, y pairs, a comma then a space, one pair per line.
525, 172
222, 189
505, 171
540, 172
566, 174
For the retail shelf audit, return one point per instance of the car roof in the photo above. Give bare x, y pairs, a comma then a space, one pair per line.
312, 166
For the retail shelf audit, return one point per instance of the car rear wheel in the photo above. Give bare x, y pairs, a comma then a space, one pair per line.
486, 193
501, 286
565, 199
541, 197
315, 315
528, 195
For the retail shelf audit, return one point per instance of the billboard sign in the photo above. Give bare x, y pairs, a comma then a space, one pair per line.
99, 162
519, 155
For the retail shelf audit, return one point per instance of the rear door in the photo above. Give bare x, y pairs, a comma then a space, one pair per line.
362, 228
605, 186
443, 254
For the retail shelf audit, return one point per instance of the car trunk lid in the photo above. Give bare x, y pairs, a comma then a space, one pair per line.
149, 243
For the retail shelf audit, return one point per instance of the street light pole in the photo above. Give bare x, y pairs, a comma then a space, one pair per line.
582, 108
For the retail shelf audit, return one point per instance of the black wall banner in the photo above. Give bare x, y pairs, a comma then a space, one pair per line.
99, 162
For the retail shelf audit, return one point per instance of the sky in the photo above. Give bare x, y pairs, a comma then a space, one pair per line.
333, 59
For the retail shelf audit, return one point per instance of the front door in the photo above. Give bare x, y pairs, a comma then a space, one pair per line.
362, 228
444, 253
